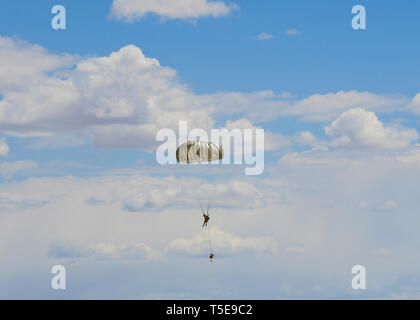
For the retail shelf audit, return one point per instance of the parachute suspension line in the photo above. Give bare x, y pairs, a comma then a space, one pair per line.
210, 200
207, 230
209, 239
210, 244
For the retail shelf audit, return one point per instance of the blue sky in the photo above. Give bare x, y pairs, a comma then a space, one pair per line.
80, 186
327, 56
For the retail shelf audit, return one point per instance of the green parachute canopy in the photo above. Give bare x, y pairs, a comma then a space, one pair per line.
198, 151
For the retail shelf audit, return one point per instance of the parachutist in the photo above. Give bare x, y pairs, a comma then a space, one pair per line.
211, 256
206, 218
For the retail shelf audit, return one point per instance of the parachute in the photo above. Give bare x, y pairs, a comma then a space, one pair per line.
198, 151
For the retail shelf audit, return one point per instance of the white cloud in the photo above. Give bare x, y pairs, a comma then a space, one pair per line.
307, 138
23, 64
292, 32
272, 141
121, 100
264, 36
131, 10
358, 128
168, 192
324, 107
414, 106
263, 106
319, 224
142, 193
4, 148
223, 242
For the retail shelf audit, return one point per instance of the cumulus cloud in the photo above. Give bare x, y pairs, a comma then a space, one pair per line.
4, 148
306, 138
150, 199
226, 244
358, 128
272, 141
414, 105
131, 10
180, 193
145, 193
121, 100
24, 64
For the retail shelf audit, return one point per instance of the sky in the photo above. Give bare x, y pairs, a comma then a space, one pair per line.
80, 186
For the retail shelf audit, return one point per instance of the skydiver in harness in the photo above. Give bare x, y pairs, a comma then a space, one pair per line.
206, 217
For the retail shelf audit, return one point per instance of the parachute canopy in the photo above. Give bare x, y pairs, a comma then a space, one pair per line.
198, 151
